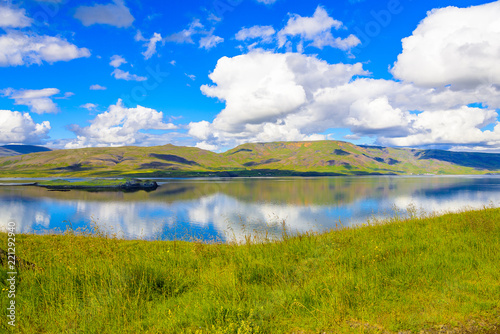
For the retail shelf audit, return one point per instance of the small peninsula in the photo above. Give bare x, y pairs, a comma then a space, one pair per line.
100, 185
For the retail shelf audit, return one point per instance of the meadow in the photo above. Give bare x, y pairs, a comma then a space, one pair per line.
410, 273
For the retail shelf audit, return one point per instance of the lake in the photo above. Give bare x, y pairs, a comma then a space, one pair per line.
228, 209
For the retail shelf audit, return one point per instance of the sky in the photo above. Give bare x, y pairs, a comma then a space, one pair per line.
218, 73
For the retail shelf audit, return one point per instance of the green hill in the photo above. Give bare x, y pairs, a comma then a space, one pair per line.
258, 159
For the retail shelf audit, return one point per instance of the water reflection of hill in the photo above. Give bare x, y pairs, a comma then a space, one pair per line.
211, 207
38, 192
300, 192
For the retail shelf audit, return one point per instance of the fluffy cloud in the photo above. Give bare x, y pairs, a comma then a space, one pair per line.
125, 75
451, 126
264, 33
316, 30
117, 61
291, 96
120, 126
39, 101
151, 45
385, 109
196, 28
262, 90
376, 115
114, 14
17, 48
201, 130
186, 35
97, 87
453, 46
448, 95
19, 128
89, 106
210, 41
257, 87
13, 18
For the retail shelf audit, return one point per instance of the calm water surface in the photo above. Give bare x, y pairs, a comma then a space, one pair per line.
223, 209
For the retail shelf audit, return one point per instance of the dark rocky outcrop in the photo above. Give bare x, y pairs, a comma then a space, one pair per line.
129, 185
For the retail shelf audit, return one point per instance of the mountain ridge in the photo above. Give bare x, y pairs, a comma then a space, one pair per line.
251, 159
11, 150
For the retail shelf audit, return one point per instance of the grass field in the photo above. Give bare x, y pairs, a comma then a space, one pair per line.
402, 275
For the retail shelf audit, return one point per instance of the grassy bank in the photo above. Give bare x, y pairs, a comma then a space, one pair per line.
98, 184
403, 275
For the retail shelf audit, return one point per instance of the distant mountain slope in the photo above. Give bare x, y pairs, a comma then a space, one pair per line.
475, 160
112, 161
10, 150
346, 158
277, 158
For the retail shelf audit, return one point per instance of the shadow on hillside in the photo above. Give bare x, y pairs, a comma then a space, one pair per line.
467, 159
73, 168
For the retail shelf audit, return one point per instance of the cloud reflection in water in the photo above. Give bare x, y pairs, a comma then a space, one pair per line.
231, 209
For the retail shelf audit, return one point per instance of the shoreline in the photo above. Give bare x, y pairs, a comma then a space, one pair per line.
74, 178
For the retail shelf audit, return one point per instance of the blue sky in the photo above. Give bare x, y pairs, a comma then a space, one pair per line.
218, 73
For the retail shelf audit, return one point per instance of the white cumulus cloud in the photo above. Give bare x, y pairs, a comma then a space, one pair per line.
119, 126
256, 87
13, 17
97, 87
89, 106
125, 75
453, 46
376, 114
114, 14
317, 30
18, 49
19, 128
210, 41
39, 101
117, 61
201, 130
264, 33
262, 91
195, 30
273, 96
186, 35
461, 125
151, 45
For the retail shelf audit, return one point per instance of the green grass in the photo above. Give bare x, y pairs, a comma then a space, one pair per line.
127, 184
391, 276
87, 183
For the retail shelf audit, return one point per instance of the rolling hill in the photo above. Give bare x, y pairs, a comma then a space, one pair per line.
256, 159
